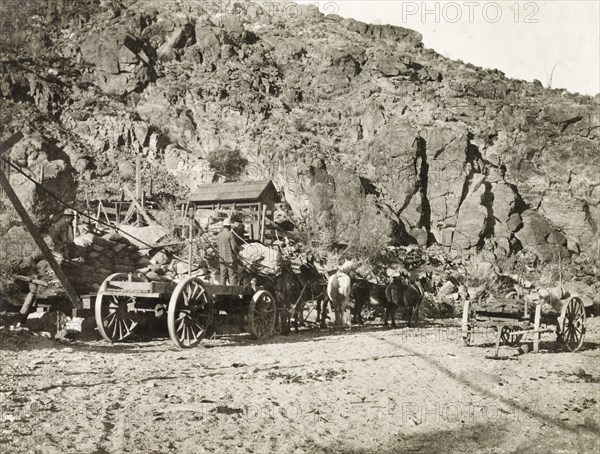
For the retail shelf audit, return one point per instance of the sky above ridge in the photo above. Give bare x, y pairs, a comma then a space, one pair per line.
556, 42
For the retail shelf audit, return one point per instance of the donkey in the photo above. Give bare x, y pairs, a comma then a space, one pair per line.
401, 293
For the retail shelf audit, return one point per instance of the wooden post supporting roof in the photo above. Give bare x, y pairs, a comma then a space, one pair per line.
37, 237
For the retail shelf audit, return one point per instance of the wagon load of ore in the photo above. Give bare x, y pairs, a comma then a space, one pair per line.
97, 257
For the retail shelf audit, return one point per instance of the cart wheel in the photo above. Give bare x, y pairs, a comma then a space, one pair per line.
261, 314
468, 322
508, 338
113, 319
190, 313
572, 324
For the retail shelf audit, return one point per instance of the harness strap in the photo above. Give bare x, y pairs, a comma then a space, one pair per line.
419, 288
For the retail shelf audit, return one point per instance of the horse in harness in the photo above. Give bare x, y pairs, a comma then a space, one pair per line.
293, 290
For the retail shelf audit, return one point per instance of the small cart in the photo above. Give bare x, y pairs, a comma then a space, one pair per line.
512, 319
124, 300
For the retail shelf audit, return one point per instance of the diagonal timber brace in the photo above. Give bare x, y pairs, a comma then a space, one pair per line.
36, 235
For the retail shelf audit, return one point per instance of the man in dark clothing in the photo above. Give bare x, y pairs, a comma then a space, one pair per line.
227, 254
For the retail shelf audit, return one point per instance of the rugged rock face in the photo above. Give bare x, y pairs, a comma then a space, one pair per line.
362, 128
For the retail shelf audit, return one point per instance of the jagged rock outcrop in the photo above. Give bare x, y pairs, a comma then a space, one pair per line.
353, 121
41, 161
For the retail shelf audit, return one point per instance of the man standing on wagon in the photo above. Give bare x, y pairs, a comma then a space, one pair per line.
227, 254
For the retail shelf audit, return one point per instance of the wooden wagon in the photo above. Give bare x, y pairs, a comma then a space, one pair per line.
124, 300
512, 319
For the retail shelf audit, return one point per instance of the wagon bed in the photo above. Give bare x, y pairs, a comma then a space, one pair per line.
123, 301
513, 318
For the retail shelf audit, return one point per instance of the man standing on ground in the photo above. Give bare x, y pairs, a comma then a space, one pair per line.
227, 254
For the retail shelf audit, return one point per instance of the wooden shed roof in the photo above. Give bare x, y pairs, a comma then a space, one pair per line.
243, 191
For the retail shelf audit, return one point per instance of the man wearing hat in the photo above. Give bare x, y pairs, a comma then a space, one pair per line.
62, 234
227, 247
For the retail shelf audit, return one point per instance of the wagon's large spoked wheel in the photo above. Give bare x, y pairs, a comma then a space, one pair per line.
190, 313
114, 320
261, 314
572, 328
468, 322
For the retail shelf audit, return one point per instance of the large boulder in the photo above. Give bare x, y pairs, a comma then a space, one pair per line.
120, 60
41, 161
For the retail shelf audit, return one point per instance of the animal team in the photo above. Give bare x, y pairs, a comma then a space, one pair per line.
401, 293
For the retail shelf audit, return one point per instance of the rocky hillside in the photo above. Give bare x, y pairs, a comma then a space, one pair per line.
372, 137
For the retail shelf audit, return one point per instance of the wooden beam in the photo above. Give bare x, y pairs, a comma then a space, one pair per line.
262, 224
140, 208
129, 213
10, 142
37, 237
138, 187
536, 326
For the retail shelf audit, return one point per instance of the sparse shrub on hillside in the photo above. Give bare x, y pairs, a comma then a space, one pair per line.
227, 161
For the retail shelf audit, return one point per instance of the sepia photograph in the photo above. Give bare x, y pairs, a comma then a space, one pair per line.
299, 227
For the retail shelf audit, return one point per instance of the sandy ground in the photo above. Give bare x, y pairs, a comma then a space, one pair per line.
364, 390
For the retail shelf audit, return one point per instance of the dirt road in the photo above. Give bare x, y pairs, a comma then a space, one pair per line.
359, 391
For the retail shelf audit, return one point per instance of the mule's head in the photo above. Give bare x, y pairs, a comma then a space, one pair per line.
426, 281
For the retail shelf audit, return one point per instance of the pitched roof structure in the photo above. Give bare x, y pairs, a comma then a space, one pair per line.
243, 191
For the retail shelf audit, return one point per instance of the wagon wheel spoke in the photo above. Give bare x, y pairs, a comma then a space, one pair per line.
114, 321
261, 314
572, 333
189, 313
195, 292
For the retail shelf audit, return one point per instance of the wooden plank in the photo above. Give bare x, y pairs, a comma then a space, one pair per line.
498, 315
98, 217
116, 292
109, 210
214, 289
163, 287
129, 213
224, 205
138, 188
262, 223
130, 286
88, 301
37, 237
102, 209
